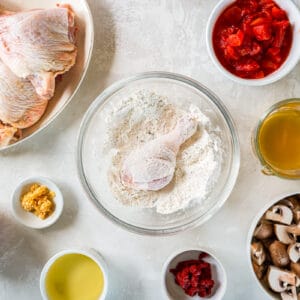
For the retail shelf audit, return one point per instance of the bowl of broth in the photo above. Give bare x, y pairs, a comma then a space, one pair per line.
74, 275
276, 140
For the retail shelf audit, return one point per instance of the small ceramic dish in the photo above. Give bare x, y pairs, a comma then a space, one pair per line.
255, 236
175, 292
290, 62
29, 219
90, 253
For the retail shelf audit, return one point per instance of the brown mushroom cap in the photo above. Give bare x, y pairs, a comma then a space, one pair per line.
295, 268
264, 231
279, 255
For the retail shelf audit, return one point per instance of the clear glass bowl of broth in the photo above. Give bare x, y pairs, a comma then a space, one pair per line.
276, 139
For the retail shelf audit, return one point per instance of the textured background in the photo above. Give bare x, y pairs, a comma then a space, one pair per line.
134, 36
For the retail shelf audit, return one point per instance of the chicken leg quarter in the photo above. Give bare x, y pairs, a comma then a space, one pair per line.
151, 167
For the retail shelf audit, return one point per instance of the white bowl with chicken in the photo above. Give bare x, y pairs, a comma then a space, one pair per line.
45, 50
273, 247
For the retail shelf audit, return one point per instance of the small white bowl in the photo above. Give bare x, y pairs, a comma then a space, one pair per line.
91, 253
29, 219
251, 232
290, 62
175, 292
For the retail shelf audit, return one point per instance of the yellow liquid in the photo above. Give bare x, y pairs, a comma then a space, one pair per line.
279, 140
74, 277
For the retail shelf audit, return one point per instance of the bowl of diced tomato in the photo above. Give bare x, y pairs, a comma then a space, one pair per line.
254, 42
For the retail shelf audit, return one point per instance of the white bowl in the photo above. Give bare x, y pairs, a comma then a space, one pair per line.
68, 86
175, 292
290, 62
91, 253
29, 219
251, 232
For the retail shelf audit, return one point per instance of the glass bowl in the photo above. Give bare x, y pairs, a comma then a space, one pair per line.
269, 168
92, 164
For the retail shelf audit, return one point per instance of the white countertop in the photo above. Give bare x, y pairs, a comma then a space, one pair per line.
134, 36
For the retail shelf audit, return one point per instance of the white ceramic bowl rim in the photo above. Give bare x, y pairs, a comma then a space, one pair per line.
96, 257
253, 226
290, 62
183, 250
234, 142
59, 200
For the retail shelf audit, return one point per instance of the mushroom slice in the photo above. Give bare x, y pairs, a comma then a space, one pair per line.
294, 252
297, 216
289, 294
279, 255
283, 235
296, 269
281, 214
263, 231
279, 280
258, 253
294, 229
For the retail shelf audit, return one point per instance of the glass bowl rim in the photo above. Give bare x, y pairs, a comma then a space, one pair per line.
235, 161
266, 167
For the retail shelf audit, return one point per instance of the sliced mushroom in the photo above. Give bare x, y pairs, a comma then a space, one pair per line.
258, 253
263, 231
297, 216
279, 255
294, 252
259, 270
291, 202
281, 214
283, 235
294, 229
289, 294
279, 280
295, 268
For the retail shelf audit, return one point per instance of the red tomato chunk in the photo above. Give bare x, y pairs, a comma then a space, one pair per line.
194, 277
252, 38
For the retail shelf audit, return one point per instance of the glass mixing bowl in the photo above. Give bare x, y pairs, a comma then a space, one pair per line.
91, 163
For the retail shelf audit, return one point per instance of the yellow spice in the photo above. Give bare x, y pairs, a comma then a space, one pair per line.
39, 200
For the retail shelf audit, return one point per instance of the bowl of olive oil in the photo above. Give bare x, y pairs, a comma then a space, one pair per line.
74, 275
276, 140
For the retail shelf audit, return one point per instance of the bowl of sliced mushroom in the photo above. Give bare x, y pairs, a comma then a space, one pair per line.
274, 248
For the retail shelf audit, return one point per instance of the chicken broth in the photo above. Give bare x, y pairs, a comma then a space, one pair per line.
279, 140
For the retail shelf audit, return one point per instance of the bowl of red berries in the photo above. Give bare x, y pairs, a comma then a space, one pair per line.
254, 42
194, 274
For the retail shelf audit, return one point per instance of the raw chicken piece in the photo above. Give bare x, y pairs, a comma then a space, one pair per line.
151, 167
8, 134
39, 45
20, 106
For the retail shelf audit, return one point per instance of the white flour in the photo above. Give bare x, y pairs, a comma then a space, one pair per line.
145, 116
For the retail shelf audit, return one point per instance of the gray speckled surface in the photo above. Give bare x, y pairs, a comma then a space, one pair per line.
134, 36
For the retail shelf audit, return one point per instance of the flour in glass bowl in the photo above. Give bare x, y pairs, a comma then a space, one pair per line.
145, 116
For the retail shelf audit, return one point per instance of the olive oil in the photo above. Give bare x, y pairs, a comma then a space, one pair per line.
74, 277
279, 140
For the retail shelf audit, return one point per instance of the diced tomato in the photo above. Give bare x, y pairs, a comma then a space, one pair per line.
235, 40
259, 74
280, 28
230, 53
262, 32
233, 14
268, 64
260, 21
278, 13
249, 65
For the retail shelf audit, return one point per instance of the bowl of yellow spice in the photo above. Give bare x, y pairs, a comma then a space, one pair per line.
37, 202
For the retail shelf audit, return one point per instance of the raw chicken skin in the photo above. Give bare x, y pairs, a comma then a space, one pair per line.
8, 134
151, 167
20, 106
39, 45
